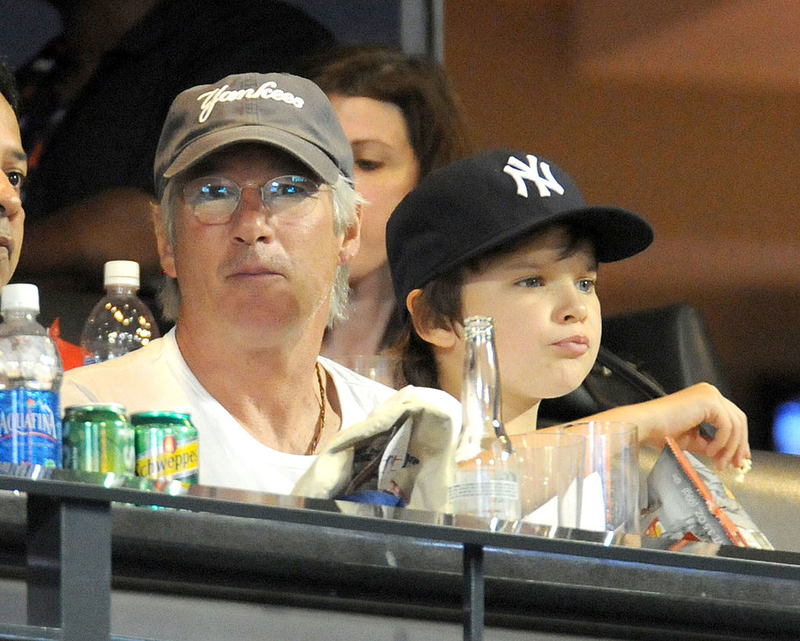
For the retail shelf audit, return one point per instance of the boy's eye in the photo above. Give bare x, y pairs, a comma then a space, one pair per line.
532, 281
586, 285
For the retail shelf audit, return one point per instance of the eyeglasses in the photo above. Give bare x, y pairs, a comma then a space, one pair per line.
213, 199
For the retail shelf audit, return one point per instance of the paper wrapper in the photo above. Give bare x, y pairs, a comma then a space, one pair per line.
400, 455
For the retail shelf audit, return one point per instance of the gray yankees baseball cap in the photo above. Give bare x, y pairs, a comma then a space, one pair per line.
276, 109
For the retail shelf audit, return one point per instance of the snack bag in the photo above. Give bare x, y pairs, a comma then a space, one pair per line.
690, 503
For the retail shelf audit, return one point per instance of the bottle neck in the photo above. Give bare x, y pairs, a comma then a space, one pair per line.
118, 289
480, 393
18, 314
482, 414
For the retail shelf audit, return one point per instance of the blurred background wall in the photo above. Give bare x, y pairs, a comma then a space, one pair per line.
682, 110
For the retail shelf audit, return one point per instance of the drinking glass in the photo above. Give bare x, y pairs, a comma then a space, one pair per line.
378, 367
551, 470
610, 488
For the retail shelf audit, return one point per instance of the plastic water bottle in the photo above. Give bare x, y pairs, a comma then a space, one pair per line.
120, 322
486, 480
30, 382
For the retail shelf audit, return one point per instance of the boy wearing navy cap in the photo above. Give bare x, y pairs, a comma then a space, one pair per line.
509, 235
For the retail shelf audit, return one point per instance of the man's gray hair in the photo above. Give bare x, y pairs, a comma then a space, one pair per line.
345, 203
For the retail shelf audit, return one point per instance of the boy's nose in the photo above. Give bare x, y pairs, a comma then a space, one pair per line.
571, 307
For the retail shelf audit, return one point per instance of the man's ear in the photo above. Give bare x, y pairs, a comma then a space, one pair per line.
351, 242
165, 254
439, 334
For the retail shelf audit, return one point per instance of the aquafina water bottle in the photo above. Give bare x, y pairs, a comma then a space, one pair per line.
30, 382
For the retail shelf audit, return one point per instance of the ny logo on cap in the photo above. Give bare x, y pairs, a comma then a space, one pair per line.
521, 172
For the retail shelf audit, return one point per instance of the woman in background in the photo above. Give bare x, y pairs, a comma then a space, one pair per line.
403, 119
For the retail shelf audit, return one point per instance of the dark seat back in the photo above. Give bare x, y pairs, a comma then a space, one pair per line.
672, 344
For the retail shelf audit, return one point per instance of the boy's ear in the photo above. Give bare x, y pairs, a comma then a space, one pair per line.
440, 334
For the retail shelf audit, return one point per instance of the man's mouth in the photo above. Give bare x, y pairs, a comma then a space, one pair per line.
254, 270
7, 244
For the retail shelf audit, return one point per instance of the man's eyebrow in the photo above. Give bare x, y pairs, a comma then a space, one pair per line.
20, 155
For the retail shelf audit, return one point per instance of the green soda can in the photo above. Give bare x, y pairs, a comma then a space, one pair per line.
98, 438
166, 446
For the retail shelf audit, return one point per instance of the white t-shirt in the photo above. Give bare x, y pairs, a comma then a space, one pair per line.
156, 377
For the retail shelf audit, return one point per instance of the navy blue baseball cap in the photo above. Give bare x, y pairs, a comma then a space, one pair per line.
471, 206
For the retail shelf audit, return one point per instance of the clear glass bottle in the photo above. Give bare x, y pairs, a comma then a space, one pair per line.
120, 322
486, 478
30, 382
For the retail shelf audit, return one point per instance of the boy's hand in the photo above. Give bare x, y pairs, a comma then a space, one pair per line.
679, 415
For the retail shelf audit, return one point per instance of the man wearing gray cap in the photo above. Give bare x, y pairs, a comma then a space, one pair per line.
257, 222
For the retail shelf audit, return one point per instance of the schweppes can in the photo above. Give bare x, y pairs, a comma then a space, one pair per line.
166, 446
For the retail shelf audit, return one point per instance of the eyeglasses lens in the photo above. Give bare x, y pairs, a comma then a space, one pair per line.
214, 199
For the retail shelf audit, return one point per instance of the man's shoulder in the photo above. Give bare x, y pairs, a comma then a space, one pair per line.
127, 379
143, 357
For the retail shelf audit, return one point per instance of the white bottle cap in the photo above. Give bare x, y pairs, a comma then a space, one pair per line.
121, 272
20, 296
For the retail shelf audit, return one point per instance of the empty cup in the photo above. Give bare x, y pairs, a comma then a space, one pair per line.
551, 466
375, 366
610, 488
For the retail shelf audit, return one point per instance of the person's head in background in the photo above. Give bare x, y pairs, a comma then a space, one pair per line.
508, 235
15, 166
403, 119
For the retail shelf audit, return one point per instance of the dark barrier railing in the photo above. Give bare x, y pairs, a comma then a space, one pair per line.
69, 551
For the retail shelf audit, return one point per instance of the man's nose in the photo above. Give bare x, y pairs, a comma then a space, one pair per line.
251, 218
10, 200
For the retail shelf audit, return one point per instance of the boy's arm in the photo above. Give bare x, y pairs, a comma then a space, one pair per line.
677, 415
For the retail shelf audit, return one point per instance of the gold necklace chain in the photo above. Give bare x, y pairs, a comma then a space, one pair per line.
312, 446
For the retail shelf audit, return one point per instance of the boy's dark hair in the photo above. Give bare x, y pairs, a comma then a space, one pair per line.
8, 87
418, 86
442, 298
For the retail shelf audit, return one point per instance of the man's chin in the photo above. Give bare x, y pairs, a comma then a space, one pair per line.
6, 269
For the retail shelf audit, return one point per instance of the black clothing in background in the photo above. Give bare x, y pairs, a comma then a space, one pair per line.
108, 136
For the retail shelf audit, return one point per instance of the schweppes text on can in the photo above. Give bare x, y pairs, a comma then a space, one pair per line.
166, 446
